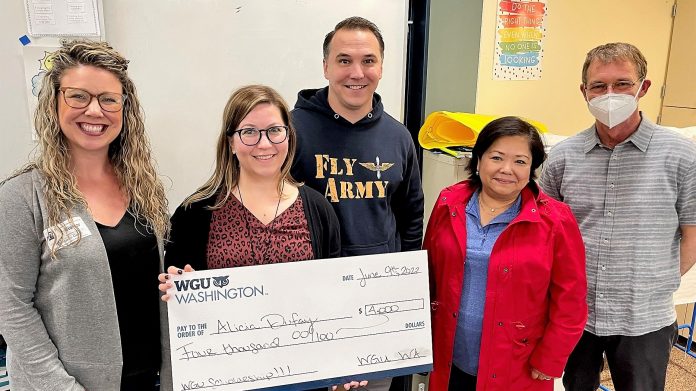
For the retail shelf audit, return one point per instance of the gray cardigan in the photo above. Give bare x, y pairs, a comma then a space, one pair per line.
58, 316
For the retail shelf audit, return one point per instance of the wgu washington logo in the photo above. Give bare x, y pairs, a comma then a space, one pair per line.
221, 282
204, 292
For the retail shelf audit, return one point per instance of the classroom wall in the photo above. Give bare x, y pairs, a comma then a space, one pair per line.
573, 28
188, 56
454, 35
15, 131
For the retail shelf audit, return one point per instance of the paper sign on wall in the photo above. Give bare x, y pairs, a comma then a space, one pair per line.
62, 17
520, 31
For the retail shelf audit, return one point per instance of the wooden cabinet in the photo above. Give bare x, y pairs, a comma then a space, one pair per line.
679, 110
679, 101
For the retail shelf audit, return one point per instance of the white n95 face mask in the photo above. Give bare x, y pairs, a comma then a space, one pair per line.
612, 109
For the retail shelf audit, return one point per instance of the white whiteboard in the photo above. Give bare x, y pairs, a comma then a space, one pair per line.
187, 56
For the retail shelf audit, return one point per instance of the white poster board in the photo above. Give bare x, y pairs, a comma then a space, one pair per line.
62, 17
306, 324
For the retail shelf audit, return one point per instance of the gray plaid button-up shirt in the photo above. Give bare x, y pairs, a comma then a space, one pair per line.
629, 202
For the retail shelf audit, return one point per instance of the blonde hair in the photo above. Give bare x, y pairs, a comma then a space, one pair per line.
129, 153
226, 174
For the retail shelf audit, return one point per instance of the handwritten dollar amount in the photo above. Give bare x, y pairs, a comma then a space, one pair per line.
391, 307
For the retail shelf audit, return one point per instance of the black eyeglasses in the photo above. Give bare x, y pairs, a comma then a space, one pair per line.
79, 99
252, 136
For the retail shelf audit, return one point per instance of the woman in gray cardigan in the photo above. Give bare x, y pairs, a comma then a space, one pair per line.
82, 232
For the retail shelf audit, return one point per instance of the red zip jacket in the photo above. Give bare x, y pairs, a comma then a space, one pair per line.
535, 308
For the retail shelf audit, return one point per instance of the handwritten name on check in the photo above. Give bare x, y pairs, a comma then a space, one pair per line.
307, 324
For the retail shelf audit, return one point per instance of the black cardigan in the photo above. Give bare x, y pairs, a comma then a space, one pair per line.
188, 240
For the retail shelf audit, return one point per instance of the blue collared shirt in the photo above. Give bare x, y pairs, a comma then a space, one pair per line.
479, 244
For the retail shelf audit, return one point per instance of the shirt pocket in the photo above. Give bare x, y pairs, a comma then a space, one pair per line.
524, 336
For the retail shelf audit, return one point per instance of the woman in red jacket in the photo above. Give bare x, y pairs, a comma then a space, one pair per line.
507, 271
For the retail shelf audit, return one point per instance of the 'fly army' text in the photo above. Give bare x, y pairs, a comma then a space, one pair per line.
337, 190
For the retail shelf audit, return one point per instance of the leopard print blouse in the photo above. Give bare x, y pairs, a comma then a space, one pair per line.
238, 238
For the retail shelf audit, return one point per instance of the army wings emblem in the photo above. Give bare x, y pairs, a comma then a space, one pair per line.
377, 167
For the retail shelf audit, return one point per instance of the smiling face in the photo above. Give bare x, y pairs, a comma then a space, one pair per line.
505, 167
89, 129
263, 160
353, 68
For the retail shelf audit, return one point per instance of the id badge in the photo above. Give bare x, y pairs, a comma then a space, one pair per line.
66, 233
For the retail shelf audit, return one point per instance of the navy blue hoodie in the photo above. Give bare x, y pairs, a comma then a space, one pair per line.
368, 171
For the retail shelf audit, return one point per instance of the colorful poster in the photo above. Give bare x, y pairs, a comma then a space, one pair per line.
37, 61
520, 31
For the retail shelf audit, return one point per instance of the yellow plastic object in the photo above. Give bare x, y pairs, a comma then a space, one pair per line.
444, 129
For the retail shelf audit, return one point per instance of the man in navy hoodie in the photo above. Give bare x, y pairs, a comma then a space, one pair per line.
362, 159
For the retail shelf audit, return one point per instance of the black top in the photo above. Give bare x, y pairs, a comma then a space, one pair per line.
188, 238
368, 170
134, 262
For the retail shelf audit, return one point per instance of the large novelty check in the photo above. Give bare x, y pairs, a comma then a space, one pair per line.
305, 324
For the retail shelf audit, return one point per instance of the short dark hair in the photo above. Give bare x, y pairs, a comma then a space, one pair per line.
503, 127
354, 23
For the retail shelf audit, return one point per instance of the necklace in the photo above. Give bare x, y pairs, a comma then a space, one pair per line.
268, 229
493, 210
